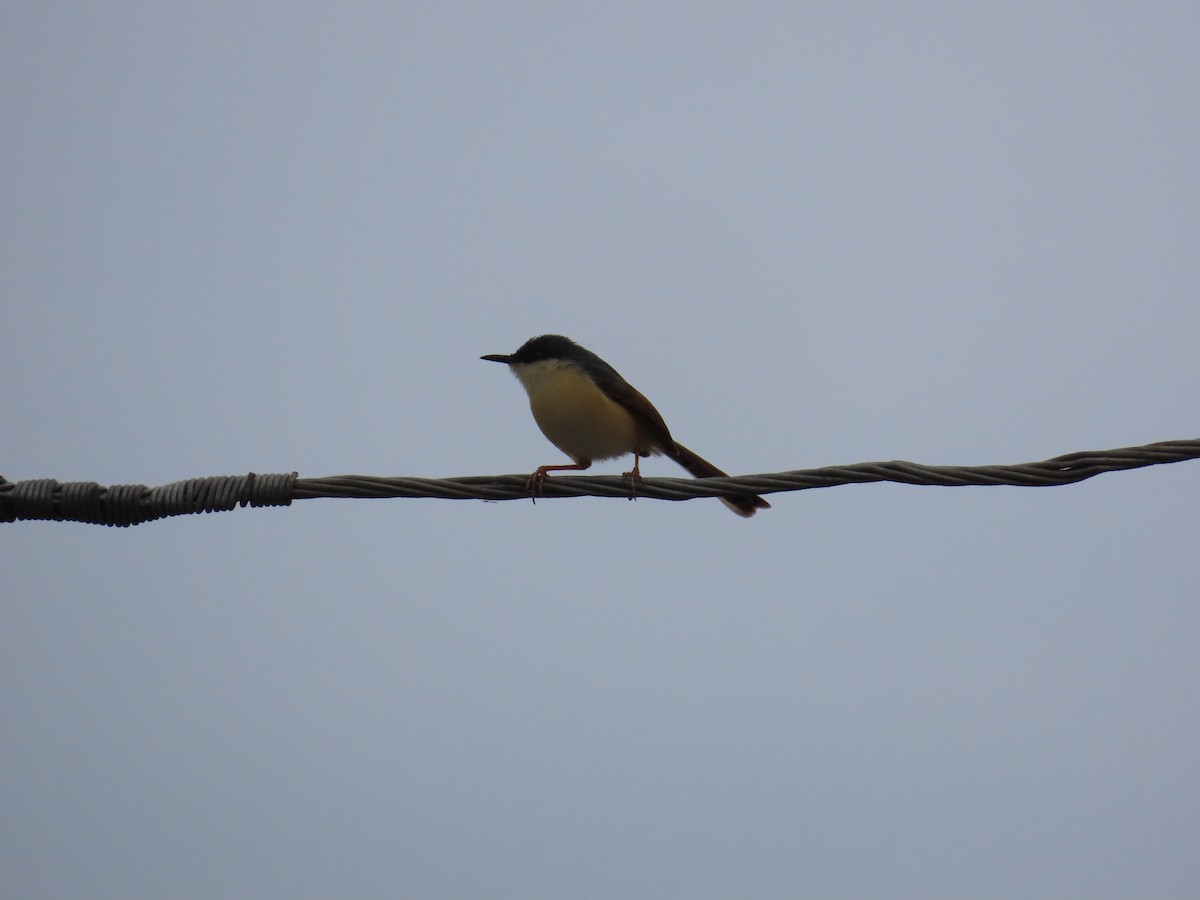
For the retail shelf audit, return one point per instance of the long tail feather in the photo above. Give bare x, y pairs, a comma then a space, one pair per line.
742, 504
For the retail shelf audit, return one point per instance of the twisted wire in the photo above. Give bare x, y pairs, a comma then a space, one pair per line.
123, 505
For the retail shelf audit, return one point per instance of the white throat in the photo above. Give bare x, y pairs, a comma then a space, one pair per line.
534, 376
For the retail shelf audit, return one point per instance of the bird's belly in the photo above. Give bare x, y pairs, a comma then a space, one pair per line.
580, 419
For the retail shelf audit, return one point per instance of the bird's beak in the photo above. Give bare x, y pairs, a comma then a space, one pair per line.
497, 357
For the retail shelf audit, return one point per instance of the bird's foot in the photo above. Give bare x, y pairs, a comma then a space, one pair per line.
534, 485
538, 478
634, 477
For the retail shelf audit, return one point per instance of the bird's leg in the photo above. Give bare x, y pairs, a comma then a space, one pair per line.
535, 480
634, 476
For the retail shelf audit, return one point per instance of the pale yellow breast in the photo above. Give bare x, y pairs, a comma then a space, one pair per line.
575, 415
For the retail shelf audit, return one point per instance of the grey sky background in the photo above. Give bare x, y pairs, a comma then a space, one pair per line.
277, 237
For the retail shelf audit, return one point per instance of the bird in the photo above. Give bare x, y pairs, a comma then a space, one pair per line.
588, 411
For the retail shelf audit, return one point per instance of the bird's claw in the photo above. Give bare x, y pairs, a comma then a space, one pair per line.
534, 484
634, 477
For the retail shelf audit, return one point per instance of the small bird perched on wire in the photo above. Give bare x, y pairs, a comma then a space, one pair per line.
589, 412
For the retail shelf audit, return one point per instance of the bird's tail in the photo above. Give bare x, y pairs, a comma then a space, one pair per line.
743, 504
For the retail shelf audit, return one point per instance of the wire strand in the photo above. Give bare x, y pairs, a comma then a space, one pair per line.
124, 505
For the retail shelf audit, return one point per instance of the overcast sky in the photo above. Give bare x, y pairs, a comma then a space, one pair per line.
277, 236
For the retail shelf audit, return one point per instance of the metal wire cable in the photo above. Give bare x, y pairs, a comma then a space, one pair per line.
123, 505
